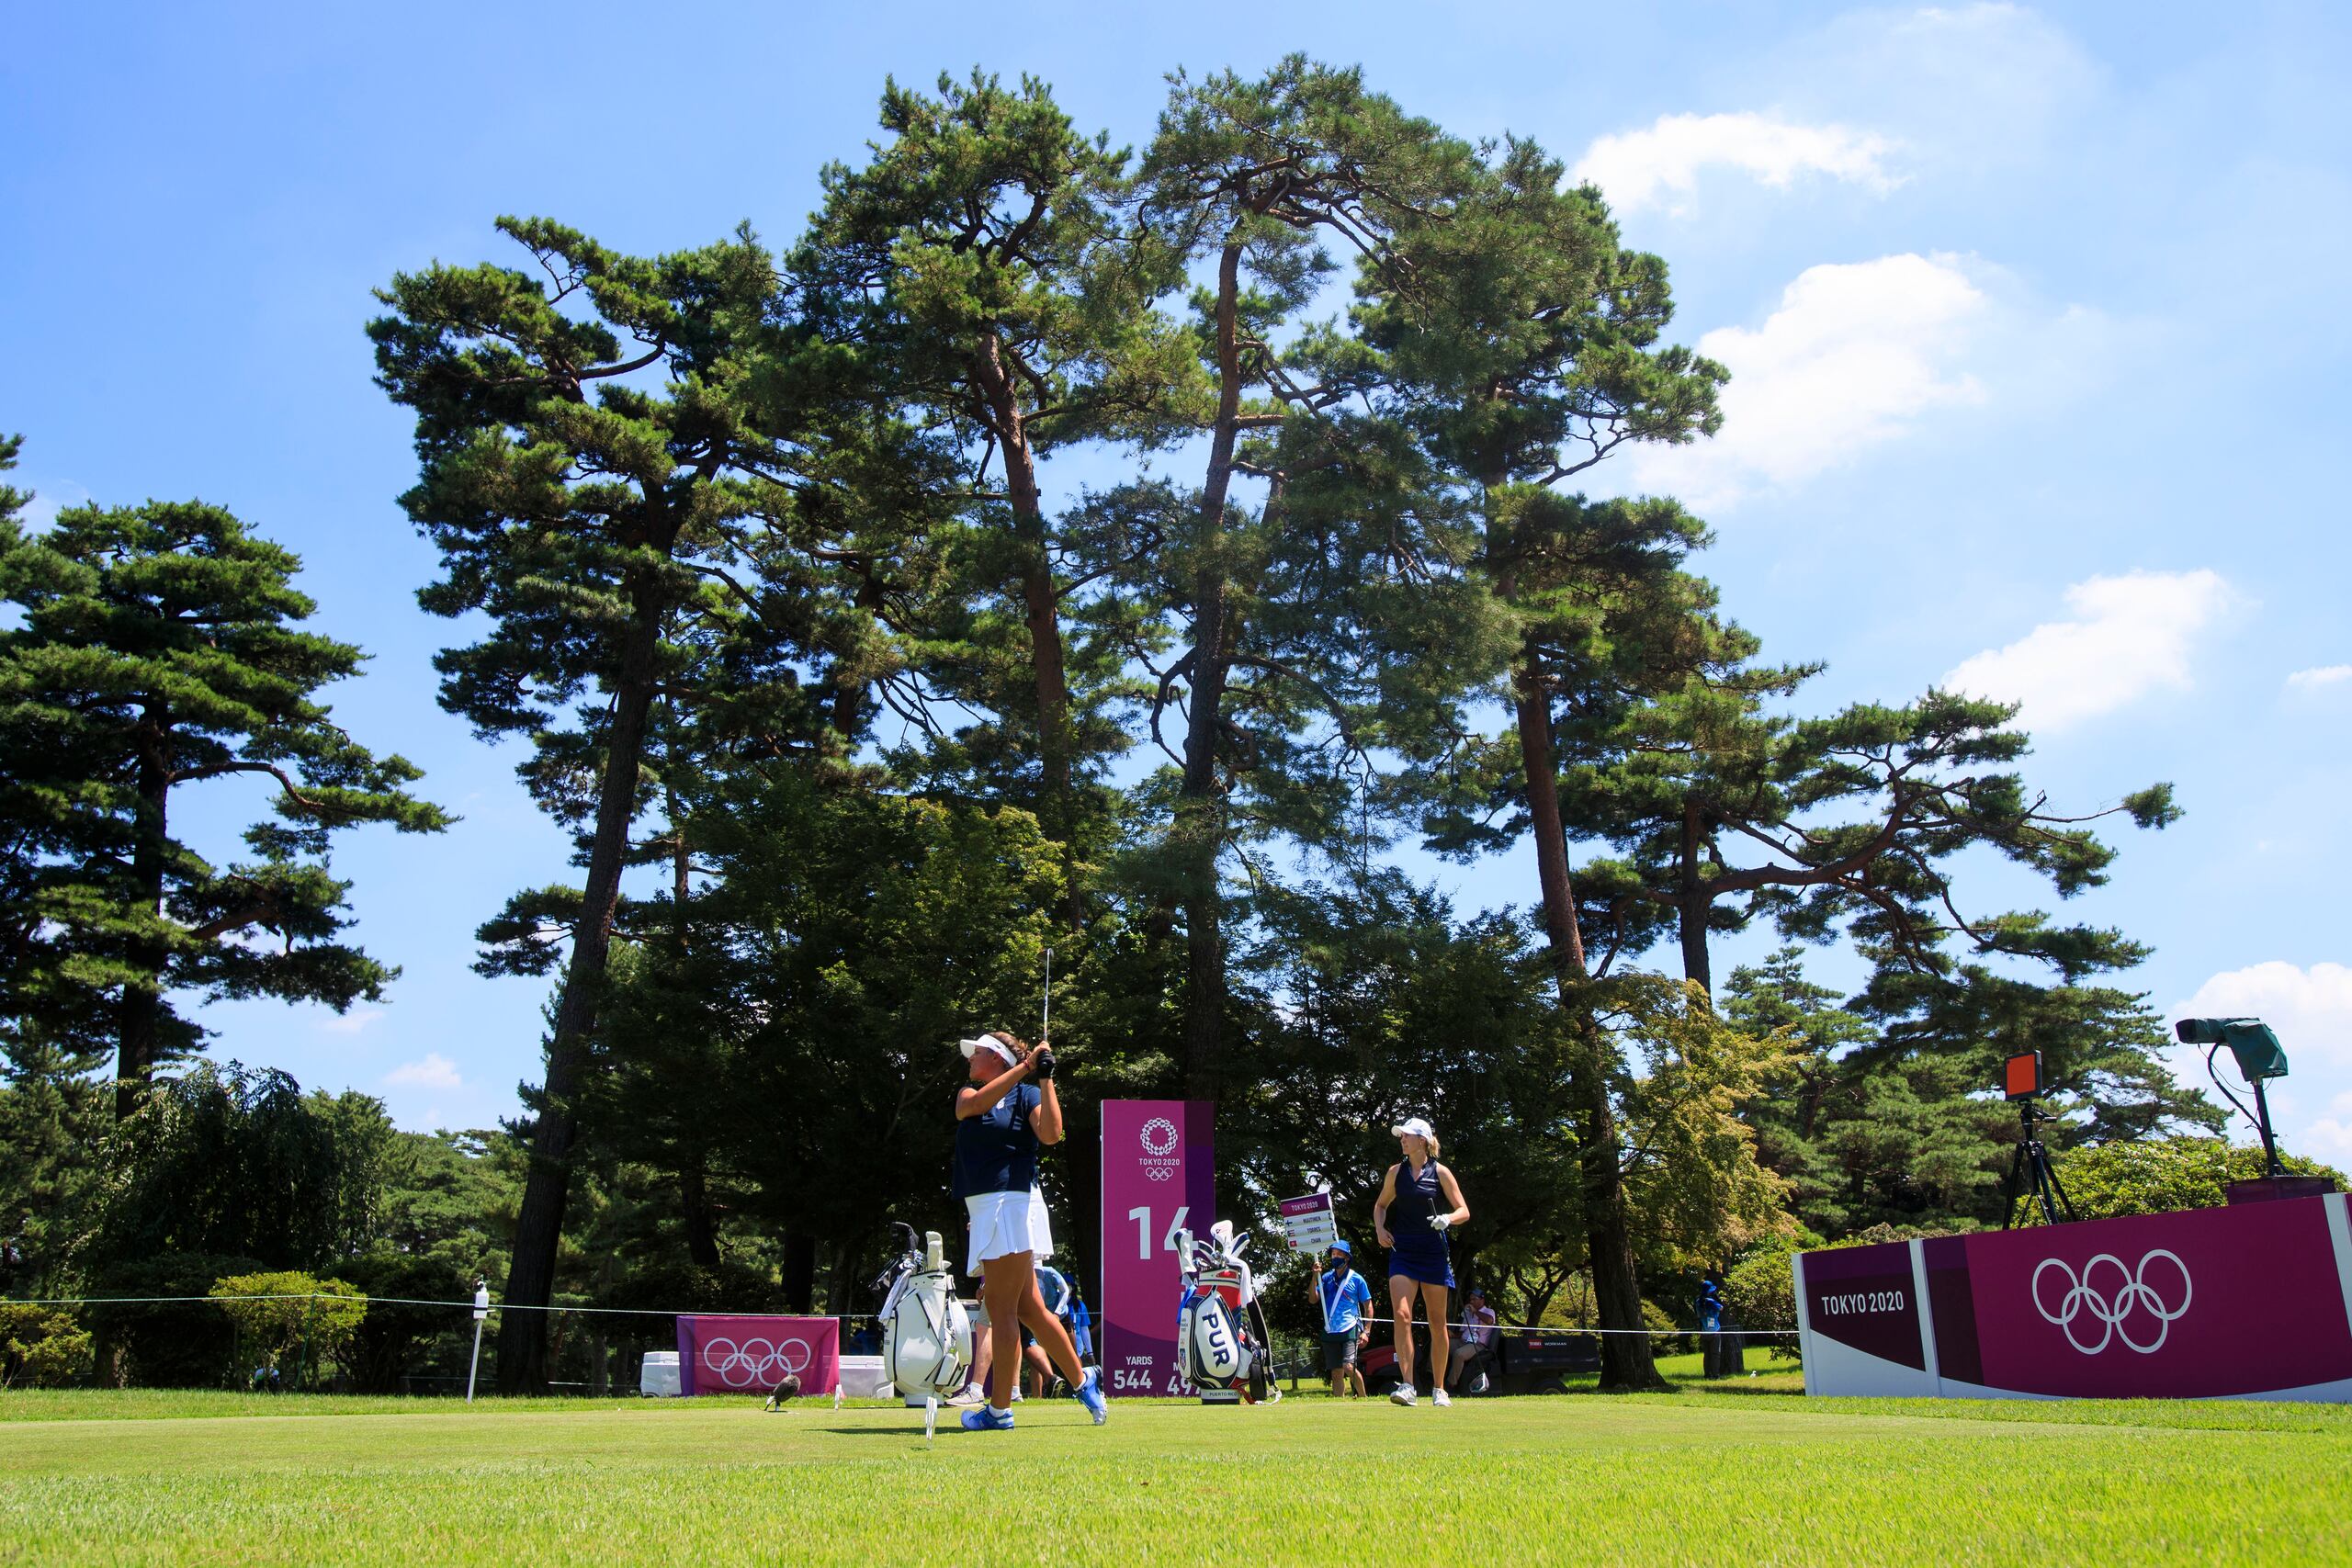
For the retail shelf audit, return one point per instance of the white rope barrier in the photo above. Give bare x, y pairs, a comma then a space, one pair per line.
1549, 1328
395, 1301
705, 1312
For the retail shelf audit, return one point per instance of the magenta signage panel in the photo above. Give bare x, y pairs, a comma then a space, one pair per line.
752, 1354
1158, 1176
2250, 1300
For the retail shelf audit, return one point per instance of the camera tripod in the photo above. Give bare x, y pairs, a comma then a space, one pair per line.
2029, 1173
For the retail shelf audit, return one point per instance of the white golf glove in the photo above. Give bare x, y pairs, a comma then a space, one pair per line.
1440, 1221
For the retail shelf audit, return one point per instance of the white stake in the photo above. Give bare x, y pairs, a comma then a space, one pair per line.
481, 1310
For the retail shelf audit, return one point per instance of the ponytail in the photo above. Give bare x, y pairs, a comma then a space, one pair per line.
1432, 1143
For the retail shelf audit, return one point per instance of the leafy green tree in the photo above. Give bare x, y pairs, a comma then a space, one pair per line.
1520, 340
591, 499
1861, 1138
1253, 181
845, 939
1720, 801
53, 1120
1390, 1007
1693, 1178
980, 255
225, 1161
162, 647
1887, 1120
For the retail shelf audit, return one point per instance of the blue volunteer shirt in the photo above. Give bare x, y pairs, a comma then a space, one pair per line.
1053, 1289
1343, 1301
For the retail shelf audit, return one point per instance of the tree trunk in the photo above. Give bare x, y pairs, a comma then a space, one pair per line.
694, 1204
1692, 904
799, 1272
539, 1227
1040, 600
141, 1020
1626, 1363
1200, 812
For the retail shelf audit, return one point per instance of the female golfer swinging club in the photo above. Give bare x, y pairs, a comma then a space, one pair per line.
1002, 1117
1423, 1201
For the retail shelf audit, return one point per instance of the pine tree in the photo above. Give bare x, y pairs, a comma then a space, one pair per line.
1523, 340
981, 259
596, 501
162, 647
1254, 180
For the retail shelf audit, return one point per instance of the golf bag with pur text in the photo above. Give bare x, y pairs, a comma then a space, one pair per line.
1221, 1334
926, 1335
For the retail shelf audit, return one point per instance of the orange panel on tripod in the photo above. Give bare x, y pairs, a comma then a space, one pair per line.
2021, 1075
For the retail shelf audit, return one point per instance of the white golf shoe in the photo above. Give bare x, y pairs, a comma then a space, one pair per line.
1441, 1400
1402, 1394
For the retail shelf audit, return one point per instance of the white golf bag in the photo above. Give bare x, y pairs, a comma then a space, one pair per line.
926, 1337
1220, 1328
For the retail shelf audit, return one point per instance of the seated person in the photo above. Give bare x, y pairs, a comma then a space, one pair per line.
1474, 1347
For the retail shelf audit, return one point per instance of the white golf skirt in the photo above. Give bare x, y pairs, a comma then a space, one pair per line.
1006, 1223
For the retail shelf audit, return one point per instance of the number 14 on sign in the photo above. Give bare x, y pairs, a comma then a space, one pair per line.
1142, 1218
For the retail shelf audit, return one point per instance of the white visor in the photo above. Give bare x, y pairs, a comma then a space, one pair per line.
987, 1043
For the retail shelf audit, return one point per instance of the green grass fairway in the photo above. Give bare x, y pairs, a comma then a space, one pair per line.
1725, 1480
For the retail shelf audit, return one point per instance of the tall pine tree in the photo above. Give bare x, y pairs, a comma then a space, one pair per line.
162, 647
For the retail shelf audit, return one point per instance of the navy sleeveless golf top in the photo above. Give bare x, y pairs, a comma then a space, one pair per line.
1417, 1197
997, 1151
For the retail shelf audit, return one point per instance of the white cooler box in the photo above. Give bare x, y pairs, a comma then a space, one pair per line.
657, 1378
863, 1378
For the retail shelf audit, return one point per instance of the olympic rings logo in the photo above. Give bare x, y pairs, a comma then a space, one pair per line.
1158, 1173
1159, 1137
2116, 1310
755, 1363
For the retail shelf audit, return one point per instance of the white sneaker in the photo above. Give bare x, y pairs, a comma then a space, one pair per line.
1402, 1394
1441, 1400
1016, 1396
967, 1396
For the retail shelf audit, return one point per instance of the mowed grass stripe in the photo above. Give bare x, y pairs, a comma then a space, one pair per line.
1514, 1481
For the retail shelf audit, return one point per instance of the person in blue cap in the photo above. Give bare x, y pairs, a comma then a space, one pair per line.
1345, 1298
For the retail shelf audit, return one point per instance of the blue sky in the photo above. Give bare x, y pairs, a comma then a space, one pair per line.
2037, 318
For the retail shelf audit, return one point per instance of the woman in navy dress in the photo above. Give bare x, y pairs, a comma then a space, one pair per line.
1420, 1202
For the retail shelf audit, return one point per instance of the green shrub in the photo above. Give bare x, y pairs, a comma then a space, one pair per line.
166, 1343
2158, 1176
1654, 1316
40, 1346
280, 1316
1759, 1293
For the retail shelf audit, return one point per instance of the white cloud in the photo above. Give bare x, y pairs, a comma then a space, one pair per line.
350, 1023
2320, 679
2129, 635
1660, 165
435, 1071
1970, 90
2311, 1011
1854, 355
2327, 1140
